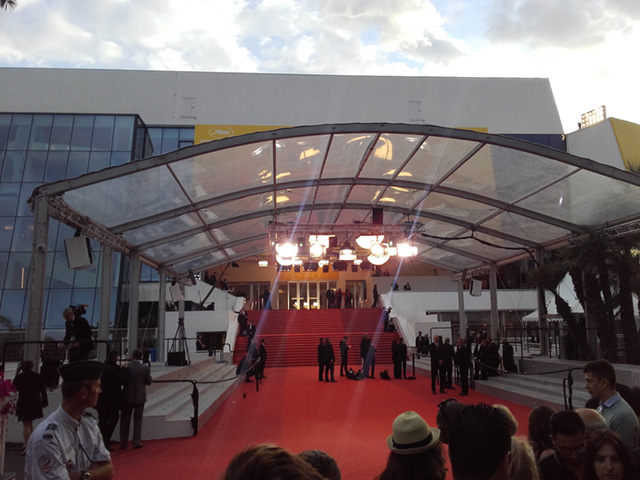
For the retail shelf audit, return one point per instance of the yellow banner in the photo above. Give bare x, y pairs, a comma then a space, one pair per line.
207, 133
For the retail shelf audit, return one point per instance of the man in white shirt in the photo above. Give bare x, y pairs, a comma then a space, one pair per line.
67, 445
600, 378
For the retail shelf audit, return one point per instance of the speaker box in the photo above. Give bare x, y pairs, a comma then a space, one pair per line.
176, 293
377, 216
176, 359
476, 288
79, 253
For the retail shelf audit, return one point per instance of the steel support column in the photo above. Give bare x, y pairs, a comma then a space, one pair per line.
493, 290
106, 267
134, 293
162, 309
37, 271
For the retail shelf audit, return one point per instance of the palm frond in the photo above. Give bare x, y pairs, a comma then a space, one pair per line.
8, 4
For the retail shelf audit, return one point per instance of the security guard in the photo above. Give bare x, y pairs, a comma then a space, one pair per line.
68, 445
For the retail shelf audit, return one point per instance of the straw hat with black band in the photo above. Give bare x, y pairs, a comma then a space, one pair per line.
412, 435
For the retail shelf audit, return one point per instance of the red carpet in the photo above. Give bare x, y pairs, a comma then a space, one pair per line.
350, 420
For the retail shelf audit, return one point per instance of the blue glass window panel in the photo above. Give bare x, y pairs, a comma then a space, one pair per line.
5, 126
155, 135
120, 158
61, 275
56, 166
26, 189
61, 132
78, 164
6, 233
169, 140
123, 134
82, 132
13, 166
22, 234
34, 166
187, 134
4, 258
40, 132
9, 193
54, 225
19, 132
88, 277
12, 307
102, 133
58, 300
98, 161
17, 271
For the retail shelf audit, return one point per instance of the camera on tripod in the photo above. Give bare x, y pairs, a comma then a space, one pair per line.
79, 309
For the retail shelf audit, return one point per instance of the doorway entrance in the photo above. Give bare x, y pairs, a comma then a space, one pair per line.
308, 295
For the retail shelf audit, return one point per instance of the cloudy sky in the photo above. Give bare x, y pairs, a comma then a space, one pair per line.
587, 48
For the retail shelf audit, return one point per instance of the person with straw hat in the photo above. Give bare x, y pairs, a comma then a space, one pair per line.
415, 450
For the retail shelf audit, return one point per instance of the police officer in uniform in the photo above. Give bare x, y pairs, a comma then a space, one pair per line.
67, 444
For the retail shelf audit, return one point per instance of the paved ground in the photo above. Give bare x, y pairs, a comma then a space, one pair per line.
13, 462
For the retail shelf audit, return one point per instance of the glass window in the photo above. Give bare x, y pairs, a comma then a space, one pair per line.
82, 131
17, 271
187, 134
4, 258
23, 235
5, 125
40, 132
56, 166
120, 158
19, 132
34, 166
26, 189
62, 275
61, 132
102, 133
13, 166
88, 277
12, 307
9, 198
98, 161
169, 140
123, 134
78, 164
58, 300
155, 135
6, 232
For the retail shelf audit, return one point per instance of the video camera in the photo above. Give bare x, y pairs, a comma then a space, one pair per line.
79, 309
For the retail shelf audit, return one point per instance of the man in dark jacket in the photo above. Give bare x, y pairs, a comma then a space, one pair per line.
262, 353
321, 359
344, 356
402, 357
329, 361
448, 354
463, 361
436, 352
110, 399
135, 396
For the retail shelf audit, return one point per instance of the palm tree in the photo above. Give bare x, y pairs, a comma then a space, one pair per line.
8, 4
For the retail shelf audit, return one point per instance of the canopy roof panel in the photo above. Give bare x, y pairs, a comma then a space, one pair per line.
466, 198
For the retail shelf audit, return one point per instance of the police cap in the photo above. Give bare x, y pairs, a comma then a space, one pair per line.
81, 370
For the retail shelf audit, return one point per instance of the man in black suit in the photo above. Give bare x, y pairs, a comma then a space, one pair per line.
110, 398
321, 358
419, 344
437, 364
448, 354
402, 357
463, 361
262, 354
344, 356
329, 361
135, 396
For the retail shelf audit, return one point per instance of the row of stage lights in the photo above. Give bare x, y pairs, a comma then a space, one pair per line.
378, 253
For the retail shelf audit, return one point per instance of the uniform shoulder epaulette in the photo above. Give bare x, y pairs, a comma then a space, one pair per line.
87, 414
52, 426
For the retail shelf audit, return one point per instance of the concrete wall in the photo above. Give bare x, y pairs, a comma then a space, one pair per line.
501, 105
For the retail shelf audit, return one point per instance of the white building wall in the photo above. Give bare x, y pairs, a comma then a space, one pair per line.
501, 105
598, 143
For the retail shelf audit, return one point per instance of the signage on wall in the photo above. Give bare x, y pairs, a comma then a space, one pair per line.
207, 133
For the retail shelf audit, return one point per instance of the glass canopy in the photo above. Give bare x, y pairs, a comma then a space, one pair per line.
467, 199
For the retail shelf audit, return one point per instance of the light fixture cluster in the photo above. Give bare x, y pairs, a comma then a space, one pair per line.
323, 248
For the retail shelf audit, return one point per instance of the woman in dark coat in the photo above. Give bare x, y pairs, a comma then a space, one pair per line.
32, 398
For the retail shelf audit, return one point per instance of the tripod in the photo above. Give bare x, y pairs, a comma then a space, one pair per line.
178, 354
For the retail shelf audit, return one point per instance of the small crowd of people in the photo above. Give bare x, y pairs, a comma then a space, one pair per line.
338, 298
483, 444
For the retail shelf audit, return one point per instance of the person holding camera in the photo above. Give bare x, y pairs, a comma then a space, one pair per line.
77, 339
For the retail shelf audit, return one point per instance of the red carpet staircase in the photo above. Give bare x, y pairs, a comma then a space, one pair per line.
291, 336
